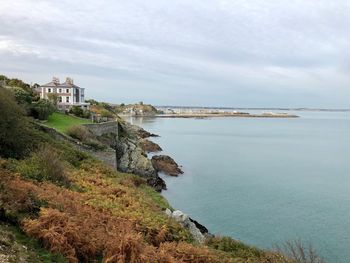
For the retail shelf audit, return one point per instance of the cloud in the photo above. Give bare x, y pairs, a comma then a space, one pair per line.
261, 53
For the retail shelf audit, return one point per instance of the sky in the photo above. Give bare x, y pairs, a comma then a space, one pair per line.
271, 53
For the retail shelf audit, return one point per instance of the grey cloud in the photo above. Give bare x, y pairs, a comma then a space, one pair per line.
262, 53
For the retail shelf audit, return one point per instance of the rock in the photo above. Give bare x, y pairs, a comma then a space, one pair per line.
134, 131
201, 228
164, 163
131, 159
186, 222
168, 212
157, 183
149, 146
145, 134
180, 216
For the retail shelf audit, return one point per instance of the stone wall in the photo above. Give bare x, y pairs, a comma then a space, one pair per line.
102, 128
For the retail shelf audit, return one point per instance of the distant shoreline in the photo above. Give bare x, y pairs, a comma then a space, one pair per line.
234, 115
249, 108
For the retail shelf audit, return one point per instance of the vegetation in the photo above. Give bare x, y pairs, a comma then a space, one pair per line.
42, 109
53, 98
146, 109
15, 132
76, 207
300, 252
82, 134
62, 122
79, 112
44, 165
17, 247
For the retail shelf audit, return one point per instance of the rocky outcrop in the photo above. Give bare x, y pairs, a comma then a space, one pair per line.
166, 164
135, 132
145, 134
149, 146
157, 183
187, 223
201, 228
131, 159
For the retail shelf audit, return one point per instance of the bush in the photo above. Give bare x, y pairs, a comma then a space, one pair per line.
15, 130
79, 132
44, 165
95, 144
299, 252
106, 113
79, 112
233, 247
22, 97
42, 109
82, 134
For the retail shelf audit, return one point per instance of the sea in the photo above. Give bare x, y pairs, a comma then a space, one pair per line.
263, 181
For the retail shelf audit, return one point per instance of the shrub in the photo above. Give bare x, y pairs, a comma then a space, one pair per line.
79, 132
53, 98
106, 113
42, 109
234, 247
79, 112
15, 131
299, 252
95, 144
44, 165
21, 96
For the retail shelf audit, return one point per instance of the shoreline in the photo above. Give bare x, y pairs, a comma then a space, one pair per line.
214, 115
232, 115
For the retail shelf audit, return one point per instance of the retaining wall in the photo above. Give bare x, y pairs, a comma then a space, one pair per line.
102, 128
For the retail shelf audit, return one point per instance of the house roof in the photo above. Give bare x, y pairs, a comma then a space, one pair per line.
56, 84
50, 84
68, 85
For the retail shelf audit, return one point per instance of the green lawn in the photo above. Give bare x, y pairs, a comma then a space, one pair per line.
61, 121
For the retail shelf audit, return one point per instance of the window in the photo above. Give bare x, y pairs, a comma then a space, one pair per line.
67, 99
60, 99
60, 90
49, 90
67, 90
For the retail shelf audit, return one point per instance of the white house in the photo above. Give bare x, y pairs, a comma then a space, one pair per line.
69, 94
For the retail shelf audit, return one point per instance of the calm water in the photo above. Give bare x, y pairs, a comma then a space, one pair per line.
264, 181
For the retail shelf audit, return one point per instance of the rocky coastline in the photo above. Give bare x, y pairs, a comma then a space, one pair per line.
132, 150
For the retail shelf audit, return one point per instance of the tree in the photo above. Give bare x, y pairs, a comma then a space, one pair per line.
42, 109
92, 102
22, 97
77, 111
53, 98
15, 133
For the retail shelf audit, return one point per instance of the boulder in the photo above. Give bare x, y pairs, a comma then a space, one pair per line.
201, 228
149, 146
157, 183
164, 163
187, 223
145, 134
168, 212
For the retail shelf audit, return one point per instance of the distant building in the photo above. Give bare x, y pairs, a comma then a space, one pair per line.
69, 94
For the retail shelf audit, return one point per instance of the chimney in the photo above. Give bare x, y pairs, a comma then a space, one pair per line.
69, 81
56, 81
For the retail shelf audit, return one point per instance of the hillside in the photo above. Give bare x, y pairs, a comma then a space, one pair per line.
81, 210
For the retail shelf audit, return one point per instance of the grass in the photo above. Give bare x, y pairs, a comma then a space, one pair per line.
62, 122
18, 247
